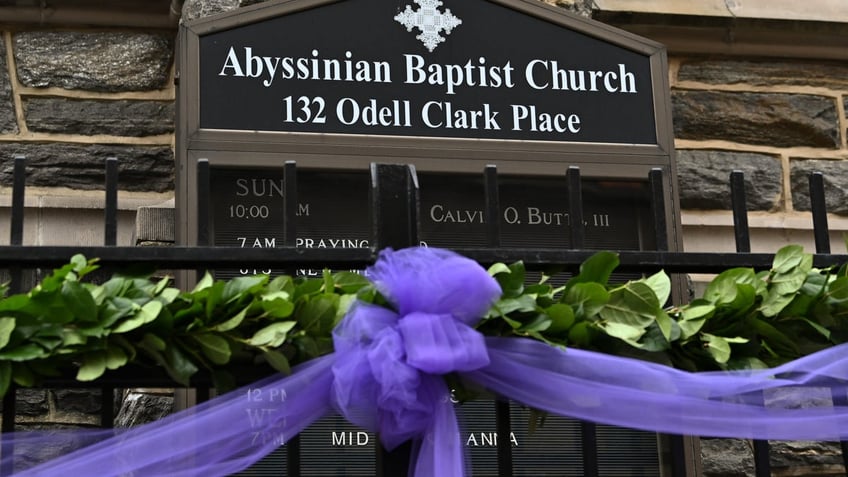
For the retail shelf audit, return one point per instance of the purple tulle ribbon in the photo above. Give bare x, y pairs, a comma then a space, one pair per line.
385, 376
389, 364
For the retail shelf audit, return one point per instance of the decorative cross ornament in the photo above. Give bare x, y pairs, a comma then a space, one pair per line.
430, 21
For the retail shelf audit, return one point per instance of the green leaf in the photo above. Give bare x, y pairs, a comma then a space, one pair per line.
7, 326
204, 283
22, 375
522, 304
581, 334
178, 366
272, 335
329, 285
587, 299
788, 283
5, 377
562, 317
623, 331
596, 268
79, 301
719, 346
214, 347
698, 310
787, 258
154, 342
307, 288
666, 326
633, 304
277, 304
838, 289
318, 314
512, 283
115, 357
168, 295
350, 282
745, 364
774, 303
773, 338
146, 314
689, 328
498, 268
73, 338
660, 283
819, 328
93, 366
24, 352
238, 287
537, 324
233, 322
277, 361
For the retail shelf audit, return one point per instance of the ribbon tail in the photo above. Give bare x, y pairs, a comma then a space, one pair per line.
647, 396
439, 453
217, 438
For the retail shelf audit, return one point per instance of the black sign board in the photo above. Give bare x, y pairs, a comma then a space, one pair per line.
333, 211
550, 449
486, 73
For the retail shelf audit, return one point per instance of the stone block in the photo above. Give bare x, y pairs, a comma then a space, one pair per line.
835, 175
765, 73
140, 408
768, 119
93, 61
727, 458
704, 178
155, 225
31, 402
194, 9
81, 166
86, 401
90, 117
8, 123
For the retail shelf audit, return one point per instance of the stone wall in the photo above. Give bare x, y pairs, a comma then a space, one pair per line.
69, 99
776, 120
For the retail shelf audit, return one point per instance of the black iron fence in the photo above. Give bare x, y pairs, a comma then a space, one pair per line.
395, 223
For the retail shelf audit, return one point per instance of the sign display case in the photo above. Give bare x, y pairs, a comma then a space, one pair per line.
448, 87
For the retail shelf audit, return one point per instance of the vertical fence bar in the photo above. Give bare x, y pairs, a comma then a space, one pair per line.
655, 180
290, 240
394, 199
290, 204
110, 239
110, 209
738, 203
818, 208
677, 443
762, 464
16, 237
204, 237
503, 419
575, 207
588, 430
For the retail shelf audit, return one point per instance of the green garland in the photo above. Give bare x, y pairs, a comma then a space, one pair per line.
744, 320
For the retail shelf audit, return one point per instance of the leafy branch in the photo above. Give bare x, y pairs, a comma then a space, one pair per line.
745, 319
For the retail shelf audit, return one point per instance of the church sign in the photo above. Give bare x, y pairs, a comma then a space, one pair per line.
474, 70
448, 86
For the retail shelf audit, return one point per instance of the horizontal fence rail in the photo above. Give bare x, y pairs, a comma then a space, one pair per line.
394, 204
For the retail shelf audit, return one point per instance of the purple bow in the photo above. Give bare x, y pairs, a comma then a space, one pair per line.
388, 367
